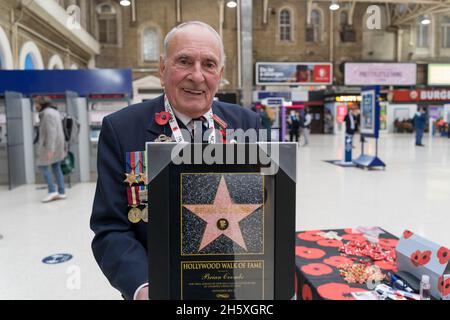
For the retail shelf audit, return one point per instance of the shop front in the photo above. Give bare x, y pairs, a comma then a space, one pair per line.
405, 102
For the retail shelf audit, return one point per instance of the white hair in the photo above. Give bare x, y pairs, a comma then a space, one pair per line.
198, 23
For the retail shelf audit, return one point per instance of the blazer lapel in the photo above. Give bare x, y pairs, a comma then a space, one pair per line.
155, 128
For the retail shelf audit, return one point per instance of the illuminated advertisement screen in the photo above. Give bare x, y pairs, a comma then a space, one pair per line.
363, 74
293, 73
438, 74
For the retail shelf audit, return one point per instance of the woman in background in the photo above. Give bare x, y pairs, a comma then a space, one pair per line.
51, 148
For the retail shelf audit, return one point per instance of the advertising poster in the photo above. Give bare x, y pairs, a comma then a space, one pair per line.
293, 73
370, 112
400, 74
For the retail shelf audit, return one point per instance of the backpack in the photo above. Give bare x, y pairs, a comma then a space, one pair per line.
71, 129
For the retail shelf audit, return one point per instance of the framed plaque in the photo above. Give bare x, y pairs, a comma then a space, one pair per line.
221, 221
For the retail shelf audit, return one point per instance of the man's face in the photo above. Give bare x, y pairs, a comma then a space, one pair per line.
192, 70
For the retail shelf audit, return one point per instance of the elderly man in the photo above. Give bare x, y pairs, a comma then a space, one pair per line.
190, 72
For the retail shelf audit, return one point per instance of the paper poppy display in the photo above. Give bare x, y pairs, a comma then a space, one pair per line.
306, 292
407, 234
309, 235
351, 231
391, 243
316, 269
336, 261
329, 243
337, 291
354, 237
385, 265
443, 255
420, 258
444, 286
309, 253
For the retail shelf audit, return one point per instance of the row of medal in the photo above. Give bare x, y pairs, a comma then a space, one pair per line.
137, 198
136, 194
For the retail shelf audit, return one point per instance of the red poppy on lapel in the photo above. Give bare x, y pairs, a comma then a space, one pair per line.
162, 117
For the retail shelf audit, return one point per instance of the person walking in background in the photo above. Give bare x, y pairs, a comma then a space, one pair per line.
351, 123
294, 123
328, 121
306, 126
266, 121
419, 122
51, 148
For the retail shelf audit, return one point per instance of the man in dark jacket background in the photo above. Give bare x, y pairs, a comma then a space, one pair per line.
419, 121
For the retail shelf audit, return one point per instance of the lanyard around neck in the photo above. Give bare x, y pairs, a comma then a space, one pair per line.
176, 128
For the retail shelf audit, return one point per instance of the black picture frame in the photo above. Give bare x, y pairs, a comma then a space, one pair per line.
164, 245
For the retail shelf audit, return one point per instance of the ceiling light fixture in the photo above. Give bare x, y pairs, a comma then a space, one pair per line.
334, 5
425, 20
231, 4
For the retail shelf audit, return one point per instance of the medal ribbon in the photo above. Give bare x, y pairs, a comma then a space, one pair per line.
128, 167
139, 167
176, 128
133, 196
142, 190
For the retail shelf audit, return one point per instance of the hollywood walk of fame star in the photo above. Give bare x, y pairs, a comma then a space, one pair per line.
222, 209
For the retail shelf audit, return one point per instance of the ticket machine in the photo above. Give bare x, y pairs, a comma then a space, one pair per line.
279, 126
16, 145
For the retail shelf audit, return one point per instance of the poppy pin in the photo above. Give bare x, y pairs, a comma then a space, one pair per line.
162, 117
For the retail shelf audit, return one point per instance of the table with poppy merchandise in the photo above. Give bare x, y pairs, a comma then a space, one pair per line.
318, 259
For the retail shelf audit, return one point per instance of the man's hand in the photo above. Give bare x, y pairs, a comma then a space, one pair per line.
142, 294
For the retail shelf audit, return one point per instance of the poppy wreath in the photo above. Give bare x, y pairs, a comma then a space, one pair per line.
316, 269
443, 255
337, 291
309, 253
419, 258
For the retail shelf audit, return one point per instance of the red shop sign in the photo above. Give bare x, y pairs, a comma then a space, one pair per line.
403, 95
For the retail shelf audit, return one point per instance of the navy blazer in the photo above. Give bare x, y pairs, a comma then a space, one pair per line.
119, 246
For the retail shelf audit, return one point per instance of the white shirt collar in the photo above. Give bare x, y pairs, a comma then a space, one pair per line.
182, 117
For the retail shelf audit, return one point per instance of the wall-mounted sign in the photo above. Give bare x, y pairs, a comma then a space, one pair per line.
395, 74
348, 98
421, 95
293, 73
438, 74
